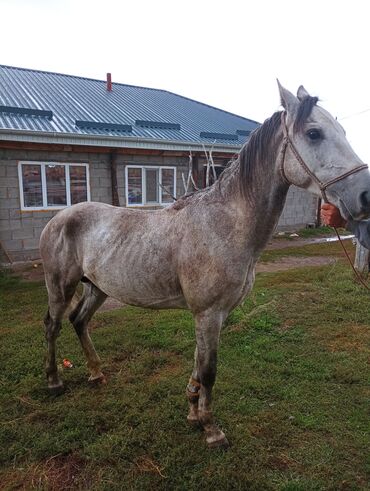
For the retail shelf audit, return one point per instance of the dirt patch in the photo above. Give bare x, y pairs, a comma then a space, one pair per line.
350, 338
29, 271
57, 473
292, 262
300, 242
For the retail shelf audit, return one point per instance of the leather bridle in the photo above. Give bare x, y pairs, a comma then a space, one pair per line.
287, 142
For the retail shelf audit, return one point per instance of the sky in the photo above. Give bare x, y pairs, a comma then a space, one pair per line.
224, 53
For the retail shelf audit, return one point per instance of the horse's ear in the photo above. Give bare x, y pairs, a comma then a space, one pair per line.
288, 100
302, 93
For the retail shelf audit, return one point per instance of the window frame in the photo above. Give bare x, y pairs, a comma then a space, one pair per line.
43, 165
143, 185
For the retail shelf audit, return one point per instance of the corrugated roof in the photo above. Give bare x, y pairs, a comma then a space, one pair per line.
72, 98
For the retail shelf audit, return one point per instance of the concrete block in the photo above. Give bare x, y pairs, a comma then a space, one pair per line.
3, 192
9, 203
23, 233
105, 182
15, 224
5, 235
4, 224
100, 172
4, 214
30, 243
37, 232
12, 171
13, 192
16, 213
28, 224
13, 244
10, 182
2, 170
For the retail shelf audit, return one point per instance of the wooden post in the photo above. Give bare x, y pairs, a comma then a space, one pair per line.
362, 259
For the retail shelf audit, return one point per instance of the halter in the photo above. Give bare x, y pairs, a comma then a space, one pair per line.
322, 185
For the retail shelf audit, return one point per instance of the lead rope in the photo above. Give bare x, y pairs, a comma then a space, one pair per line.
357, 274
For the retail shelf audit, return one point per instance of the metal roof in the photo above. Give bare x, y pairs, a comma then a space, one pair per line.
46, 106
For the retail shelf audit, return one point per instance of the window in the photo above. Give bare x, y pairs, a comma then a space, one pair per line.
150, 185
52, 185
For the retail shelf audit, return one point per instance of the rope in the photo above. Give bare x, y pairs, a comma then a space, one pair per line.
357, 274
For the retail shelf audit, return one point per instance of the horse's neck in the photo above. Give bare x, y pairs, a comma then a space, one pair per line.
262, 211
265, 213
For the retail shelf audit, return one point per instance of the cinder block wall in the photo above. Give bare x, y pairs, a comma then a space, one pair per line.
300, 210
20, 230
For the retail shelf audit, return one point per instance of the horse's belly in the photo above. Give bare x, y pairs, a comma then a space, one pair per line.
139, 291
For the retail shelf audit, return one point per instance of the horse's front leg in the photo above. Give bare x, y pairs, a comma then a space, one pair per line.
208, 326
192, 392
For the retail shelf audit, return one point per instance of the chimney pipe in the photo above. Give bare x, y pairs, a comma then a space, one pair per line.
109, 82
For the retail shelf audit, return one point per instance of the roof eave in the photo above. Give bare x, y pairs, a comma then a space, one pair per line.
110, 141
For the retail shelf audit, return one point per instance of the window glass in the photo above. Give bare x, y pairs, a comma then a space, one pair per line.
78, 183
152, 185
134, 184
168, 189
32, 187
55, 185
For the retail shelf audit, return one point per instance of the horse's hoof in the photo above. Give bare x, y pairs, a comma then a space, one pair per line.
222, 442
56, 390
97, 381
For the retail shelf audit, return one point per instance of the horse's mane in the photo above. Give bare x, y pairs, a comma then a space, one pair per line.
258, 154
255, 161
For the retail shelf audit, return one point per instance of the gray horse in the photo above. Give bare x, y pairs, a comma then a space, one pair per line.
199, 253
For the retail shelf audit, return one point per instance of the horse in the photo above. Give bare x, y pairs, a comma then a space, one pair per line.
200, 252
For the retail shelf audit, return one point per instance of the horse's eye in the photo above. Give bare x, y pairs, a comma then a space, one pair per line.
314, 135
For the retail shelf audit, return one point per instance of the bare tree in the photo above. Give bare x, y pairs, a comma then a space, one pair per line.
189, 180
210, 165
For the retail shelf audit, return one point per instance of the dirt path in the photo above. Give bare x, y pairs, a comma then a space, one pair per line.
291, 262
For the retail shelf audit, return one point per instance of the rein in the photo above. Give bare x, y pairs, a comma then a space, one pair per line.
357, 274
322, 185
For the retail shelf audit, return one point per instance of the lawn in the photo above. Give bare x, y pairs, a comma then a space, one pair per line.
292, 393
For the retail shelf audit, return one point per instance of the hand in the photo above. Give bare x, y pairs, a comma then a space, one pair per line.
330, 215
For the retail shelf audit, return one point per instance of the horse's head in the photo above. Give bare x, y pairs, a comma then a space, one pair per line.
319, 158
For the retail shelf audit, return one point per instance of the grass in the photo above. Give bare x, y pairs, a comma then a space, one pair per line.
292, 393
333, 249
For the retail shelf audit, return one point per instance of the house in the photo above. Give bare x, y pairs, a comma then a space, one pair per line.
66, 139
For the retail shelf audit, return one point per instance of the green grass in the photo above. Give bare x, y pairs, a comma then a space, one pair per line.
291, 394
322, 231
333, 249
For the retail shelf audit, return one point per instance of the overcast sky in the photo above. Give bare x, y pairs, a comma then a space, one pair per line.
224, 53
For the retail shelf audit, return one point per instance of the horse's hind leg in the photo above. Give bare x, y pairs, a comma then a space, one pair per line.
60, 295
91, 300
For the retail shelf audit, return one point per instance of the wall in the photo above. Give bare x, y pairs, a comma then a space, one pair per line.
20, 230
299, 211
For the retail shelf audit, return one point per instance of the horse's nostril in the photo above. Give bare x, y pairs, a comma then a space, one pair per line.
365, 200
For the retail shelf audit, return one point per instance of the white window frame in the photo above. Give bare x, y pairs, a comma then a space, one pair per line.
43, 165
143, 184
